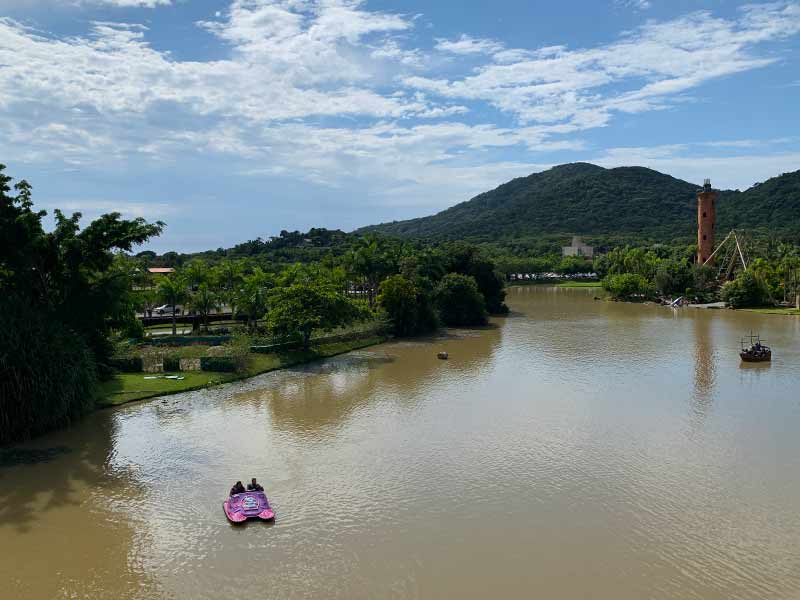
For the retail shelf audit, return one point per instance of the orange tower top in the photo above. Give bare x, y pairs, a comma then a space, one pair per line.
706, 219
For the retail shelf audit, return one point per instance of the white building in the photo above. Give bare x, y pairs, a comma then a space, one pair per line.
577, 248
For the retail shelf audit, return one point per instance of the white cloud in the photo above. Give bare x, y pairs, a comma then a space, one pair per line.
28, 4
134, 3
468, 45
659, 61
635, 4
331, 92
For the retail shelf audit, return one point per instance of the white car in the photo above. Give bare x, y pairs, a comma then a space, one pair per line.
166, 309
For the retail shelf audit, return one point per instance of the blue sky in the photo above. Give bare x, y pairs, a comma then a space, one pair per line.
234, 119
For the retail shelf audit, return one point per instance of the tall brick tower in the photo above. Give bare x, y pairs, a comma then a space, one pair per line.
706, 218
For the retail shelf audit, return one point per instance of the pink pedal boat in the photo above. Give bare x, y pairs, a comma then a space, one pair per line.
247, 505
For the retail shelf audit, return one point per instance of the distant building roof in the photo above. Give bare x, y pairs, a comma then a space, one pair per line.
162, 270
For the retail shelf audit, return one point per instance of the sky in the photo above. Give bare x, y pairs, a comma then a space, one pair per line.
235, 119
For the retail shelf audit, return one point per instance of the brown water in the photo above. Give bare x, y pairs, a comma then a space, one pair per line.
575, 449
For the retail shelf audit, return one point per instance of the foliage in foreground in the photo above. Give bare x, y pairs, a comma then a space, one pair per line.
47, 374
62, 293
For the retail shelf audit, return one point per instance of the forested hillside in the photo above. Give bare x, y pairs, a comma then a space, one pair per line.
610, 205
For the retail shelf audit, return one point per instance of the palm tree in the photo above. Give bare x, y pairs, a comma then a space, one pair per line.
228, 274
368, 260
227, 278
196, 273
204, 301
252, 296
172, 291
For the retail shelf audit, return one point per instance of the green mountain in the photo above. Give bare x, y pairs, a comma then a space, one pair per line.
606, 205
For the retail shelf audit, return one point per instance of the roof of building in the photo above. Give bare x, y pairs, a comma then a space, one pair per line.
161, 270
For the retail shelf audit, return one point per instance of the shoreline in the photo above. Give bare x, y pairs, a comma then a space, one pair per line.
125, 388
564, 284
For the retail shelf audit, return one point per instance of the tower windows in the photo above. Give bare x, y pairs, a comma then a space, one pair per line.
704, 236
704, 215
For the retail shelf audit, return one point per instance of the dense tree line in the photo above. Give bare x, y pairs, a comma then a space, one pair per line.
408, 283
772, 276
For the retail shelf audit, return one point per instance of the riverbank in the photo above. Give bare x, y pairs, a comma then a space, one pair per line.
128, 387
773, 310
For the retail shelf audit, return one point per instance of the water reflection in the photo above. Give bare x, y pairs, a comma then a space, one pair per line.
704, 362
60, 497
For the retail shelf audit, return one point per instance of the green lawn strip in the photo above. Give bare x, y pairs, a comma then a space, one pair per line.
126, 387
772, 310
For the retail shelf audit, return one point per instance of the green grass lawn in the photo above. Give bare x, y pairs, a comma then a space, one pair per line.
126, 387
772, 310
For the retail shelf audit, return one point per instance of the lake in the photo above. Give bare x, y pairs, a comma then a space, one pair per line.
576, 448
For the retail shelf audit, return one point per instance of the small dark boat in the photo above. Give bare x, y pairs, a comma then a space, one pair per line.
240, 507
756, 351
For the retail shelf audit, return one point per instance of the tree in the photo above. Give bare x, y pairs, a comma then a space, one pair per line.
459, 301
745, 291
369, 261
172, 291
571, 265
769, 277
147, 300
466, 260
203, 301
408, 306
195, 273
628, 286
305, 305
61, 295
228, 274
673, 277
252, 296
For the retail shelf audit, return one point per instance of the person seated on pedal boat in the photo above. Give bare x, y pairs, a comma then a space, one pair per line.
237, 488
254, 486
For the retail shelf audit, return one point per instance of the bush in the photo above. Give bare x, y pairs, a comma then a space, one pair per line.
132, 329
459, 301
127, 364
240, 351
172, 362
745, 291
222, 364
628, 286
